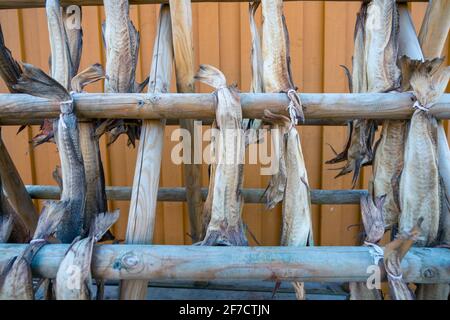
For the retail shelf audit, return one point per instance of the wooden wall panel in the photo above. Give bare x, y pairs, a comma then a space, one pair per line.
321, 36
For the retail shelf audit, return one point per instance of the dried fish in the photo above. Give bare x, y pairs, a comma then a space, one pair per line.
35, 82
61, 66
251, 126
6, 226
90, 149
225, 226
71, 17
393, 255
16, 278
122, 47
428, 81
74, 279
9, 68
375, 70
373, 220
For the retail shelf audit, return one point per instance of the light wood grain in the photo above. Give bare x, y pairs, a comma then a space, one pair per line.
434, 29
338, 106
181, 14
325, 264
141, 217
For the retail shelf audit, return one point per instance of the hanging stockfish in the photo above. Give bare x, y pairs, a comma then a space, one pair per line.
121, 40
71, 17
16, 282
419, 184
290, 181
251, 126
373, 221
90, 150
142, 214
225, 226
35, 82
277, 78
375, 70
393, 255
74, 279
432, 37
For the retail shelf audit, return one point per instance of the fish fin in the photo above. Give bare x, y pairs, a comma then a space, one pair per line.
349, 77
102, 222
211, 76
139, 87
57, 176
10, 70
36, 82
89, 75
49, 219
344, 154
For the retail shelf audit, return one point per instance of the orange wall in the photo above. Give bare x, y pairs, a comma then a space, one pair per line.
321, 35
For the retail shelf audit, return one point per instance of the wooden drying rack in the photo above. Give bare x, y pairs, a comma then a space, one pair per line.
156, 262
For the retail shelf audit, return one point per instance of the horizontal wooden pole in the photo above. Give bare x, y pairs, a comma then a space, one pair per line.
179, 194
336, 106
18, 4
173, 122
198, 263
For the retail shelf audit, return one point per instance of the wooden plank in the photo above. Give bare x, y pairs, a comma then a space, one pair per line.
182, 32
324, 264
142, 214
434, 29
343, 106
16, 4
178, 194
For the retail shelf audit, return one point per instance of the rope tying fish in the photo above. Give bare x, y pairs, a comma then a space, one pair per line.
418, 106
295, 107
375, 251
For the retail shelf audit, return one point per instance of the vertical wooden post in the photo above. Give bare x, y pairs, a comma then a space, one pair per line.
181, 14
141, 217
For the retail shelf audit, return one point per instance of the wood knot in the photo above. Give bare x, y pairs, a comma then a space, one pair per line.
129, 261
429, 273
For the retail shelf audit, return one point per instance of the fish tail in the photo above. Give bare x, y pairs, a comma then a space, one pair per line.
211, 76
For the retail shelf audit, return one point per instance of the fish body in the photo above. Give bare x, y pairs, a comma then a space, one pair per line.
74, 279
275, 48
61, 67
6, 225
73, 177
419, 184
122, 44
225, 226
9, 68
381, 45
387, 168
297, 223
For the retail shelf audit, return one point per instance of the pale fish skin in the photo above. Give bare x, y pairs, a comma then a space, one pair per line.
275, 48
74, 279
226, 226
419, 184
297, 221
122, 42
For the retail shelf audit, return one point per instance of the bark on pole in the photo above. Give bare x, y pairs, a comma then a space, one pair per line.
141, 217
182, 34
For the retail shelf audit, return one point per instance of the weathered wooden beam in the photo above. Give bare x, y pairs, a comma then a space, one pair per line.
317, 106
18, 4
202, 263
179, 194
